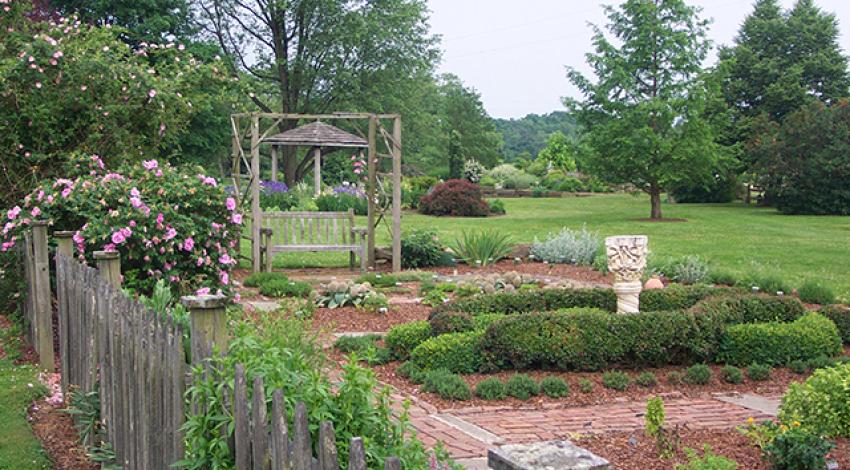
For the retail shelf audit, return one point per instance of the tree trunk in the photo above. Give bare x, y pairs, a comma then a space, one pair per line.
290, 166
655, 201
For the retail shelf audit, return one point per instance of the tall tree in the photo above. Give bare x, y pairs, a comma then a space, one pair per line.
313, 56
469, 131
644, 115
151, 21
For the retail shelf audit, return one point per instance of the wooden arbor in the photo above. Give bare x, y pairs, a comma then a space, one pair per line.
258, 130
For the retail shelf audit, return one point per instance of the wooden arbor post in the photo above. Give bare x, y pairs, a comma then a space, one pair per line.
396, 153
256, 211
317, 171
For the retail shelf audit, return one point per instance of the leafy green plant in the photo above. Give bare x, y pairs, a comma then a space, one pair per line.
654, 417
798, 366
820, 404
435, 298
761, 434
732, 374
497, 206
697, 374
568, 246
412, 372
616, 380
378, 279
483, 247
676, 377
255, 279
491, 388
456, 352
285, 288
816, 293
807, 337
358, 344
521, 386
554, 387
340, 294
585, 385
820, 362
403, 338
447, 385
646, 379
797, 449
708, 460
840, 315
759, 372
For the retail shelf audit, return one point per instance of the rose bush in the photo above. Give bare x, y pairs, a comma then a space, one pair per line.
165, 223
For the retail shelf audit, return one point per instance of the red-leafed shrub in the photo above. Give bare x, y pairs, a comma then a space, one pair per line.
458, 198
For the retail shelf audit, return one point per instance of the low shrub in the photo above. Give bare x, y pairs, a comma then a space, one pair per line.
798, 366
554, 387
840, 315
255, 279
797, 449
780, 343
568, 246
497, 206
490, 388
768, 284
412, 372
726, 278
450, 322
820, 362
676, 377
457, 198
521, 386
697, 374
403, 338
821, 403
759, 372
447, 385
343, 198
732, 374
677, 297
285, 288
378, 280
708, 461
456, 352
585, 385
616, 380
358, 344
481, 248
421, 249
536, 301
275, 195
736, 308
689, 270
816, 293
646, 379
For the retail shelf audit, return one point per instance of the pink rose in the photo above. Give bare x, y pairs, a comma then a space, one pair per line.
188, 244
203, 291
169, 234
12, 214
225, 278
35, 212
236, 219
150, 164
118, 238
230, 203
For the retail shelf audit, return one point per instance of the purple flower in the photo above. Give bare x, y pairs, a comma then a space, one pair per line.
271, 187
350, 190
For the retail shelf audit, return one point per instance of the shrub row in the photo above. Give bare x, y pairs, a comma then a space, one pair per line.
592, 340
780, 343
839, 315
455, 352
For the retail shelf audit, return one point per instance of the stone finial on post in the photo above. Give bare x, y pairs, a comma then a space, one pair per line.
208, 323
627, 260
109, 265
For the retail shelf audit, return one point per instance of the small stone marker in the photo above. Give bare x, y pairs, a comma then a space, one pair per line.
548, 455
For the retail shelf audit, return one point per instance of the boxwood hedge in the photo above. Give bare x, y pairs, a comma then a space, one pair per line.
780, 343
402, 339
840, 315
456, 352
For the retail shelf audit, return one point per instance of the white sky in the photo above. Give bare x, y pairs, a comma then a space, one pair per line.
514, 52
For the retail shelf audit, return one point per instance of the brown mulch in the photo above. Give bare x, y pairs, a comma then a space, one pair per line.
779, 381
634, 451
576, 273
55, 429
352, 319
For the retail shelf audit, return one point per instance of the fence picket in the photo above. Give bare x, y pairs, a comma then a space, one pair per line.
328, 459
302, 452
240, 419
280, 436
259, 432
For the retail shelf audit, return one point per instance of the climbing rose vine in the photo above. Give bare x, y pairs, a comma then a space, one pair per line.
165, 223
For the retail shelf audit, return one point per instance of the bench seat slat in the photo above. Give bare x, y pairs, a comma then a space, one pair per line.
284, 248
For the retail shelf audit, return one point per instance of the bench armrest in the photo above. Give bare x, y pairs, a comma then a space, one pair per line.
359, 230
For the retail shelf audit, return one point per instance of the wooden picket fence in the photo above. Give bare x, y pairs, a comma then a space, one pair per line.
36, 299
135, 359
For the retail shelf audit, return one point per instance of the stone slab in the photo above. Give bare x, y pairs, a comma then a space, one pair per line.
473, 464
768, 406
547, 455
264, 306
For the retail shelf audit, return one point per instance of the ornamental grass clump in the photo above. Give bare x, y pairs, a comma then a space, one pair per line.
481, 248
568, 246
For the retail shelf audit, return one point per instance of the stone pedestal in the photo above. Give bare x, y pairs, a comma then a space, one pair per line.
627, 260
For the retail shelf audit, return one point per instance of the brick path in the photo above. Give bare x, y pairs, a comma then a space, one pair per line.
468, 433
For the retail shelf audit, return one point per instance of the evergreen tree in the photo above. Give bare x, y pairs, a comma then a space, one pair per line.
469, 131
645, 113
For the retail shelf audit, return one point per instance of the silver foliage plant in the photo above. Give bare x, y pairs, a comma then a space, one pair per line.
568, 246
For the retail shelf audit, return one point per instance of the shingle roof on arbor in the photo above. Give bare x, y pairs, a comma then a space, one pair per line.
317, 134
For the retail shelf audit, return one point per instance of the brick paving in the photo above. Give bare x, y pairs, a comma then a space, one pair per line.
468, 433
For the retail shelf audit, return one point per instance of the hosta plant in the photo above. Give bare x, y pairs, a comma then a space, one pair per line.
338, 294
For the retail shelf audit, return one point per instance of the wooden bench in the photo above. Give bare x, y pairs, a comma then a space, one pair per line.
285, 232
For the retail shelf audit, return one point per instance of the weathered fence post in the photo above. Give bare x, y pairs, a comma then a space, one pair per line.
208, 324
109, 266
64, 247
43, 301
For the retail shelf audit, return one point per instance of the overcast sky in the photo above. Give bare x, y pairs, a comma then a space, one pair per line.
514, 52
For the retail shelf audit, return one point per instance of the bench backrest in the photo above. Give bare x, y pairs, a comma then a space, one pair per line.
310, 228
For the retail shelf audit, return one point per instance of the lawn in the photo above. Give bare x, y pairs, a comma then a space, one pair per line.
19, 386
743, 240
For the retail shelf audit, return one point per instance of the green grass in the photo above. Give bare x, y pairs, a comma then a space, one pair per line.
743, 240
19, 448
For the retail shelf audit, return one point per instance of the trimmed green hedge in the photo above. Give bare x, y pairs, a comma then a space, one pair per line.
459, 322
780, 343
402, 339
752, 308
456, 352
840, 315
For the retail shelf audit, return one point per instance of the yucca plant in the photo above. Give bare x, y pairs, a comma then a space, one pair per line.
481, 247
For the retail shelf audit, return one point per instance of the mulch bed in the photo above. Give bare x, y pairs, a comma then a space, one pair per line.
634, 451
352, 319
55, 429
777, 384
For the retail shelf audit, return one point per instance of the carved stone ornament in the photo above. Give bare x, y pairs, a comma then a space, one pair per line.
627, 257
